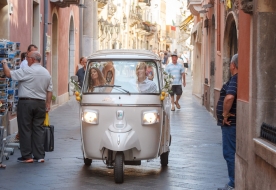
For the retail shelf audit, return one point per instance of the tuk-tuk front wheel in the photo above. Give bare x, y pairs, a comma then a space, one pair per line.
164, 158
87, 161
119, 167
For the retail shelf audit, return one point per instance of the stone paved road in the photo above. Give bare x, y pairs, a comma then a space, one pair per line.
195, 160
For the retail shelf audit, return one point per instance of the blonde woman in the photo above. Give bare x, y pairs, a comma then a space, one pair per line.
143, 83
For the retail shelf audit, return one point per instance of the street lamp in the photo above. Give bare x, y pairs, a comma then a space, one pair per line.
117, 28
111, 29
101, 23
124, 21
106, 27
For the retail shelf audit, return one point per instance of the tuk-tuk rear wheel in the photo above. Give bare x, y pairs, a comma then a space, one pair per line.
119, 167
87, 161
164, 158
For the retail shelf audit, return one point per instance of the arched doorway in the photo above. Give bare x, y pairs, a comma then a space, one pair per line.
4, 21
230, 44
55, 56
71, 69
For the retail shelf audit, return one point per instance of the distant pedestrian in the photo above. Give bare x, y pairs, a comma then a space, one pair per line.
185, 59
180, 60
166, 56
24, 62
177, 71
226, 116
81, 72
35, 95
80, 64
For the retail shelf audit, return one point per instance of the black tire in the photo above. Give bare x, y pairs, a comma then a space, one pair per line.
87, 161
164, 158
119, 167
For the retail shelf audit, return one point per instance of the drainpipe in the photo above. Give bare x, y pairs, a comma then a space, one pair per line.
80, 28
45, 29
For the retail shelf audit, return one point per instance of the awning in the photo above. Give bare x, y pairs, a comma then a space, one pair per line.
196, 33
185, 23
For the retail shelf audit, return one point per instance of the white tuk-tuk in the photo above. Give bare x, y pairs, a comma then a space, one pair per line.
124, 118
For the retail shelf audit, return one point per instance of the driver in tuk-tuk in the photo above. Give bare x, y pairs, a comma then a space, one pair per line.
143, 83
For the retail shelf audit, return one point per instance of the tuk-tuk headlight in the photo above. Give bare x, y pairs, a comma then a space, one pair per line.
90, 116
150, 117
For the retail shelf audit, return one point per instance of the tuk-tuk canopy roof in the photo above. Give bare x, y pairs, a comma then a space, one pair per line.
124, 54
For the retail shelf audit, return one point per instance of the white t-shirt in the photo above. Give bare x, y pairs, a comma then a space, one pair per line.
24, 64
185, 58
33, 81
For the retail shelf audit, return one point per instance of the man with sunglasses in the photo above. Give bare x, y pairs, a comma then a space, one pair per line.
35, 95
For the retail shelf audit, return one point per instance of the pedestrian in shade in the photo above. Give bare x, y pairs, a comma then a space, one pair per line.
226, 116
81, 72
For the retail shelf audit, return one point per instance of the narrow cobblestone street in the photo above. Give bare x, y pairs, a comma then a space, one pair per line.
195, 160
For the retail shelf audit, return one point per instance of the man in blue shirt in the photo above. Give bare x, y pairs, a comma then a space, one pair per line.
226, 116
178, 72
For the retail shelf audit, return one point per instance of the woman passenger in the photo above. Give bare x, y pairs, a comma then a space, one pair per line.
95, 79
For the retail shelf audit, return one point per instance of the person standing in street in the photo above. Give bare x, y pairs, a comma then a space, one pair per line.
177, 71
35, 95
226, 118
24, 63
81, 72
185, 59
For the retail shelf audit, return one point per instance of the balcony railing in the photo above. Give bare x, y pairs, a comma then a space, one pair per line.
268, 132
144, 2
65, 3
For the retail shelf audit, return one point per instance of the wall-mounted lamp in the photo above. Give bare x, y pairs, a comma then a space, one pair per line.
82, 6
10, 8
203, 11
209, 5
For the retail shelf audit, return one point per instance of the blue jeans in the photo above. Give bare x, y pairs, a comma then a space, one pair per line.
229, 150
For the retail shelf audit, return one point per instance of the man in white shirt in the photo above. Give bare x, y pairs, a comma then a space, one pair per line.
35, 96
24, 63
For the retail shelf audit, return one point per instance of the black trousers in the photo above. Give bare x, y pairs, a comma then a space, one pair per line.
30, 118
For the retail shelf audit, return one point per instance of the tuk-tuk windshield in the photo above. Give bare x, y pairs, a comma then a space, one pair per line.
121, 76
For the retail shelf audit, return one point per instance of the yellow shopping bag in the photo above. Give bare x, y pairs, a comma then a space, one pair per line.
46, 121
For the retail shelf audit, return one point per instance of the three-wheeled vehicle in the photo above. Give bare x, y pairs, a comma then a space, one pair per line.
123, 119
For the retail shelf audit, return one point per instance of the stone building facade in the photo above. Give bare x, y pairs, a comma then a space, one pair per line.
133, 24
246, 27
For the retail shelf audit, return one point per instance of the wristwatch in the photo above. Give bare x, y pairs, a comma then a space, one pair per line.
4, 62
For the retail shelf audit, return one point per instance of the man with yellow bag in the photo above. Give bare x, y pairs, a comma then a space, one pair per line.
35, 95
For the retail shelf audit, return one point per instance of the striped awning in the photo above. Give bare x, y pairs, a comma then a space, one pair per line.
185, 23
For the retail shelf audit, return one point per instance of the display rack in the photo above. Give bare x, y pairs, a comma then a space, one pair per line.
8, 95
